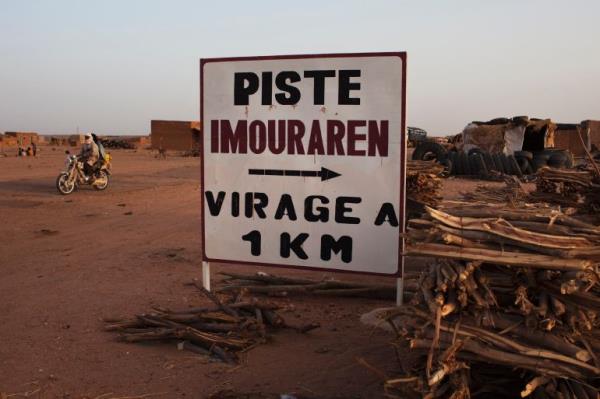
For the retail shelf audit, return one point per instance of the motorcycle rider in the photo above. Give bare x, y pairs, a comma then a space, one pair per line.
89, 156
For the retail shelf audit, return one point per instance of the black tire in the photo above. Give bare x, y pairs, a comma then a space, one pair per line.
499, 166
429, 150
463, 161
474, 164
475, 151
506, 164
524, 165
515, 166
101, 181
538, 163
458, 168
561, 159
489, 162
478, 165
452, 157
62, 186
447, 163
545, 154
524, 154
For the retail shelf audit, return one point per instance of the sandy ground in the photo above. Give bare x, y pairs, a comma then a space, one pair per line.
66, 262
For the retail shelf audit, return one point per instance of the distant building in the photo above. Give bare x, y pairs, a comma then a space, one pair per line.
7, 141
23, 139
76, 140
593, 129
567, 137
175, 135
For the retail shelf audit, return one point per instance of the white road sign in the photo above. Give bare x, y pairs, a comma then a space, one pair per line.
303, 160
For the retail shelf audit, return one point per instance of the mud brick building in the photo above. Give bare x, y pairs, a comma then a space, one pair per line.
175, 135
566, 136
23, 139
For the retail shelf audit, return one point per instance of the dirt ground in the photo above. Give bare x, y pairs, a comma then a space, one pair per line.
67, 262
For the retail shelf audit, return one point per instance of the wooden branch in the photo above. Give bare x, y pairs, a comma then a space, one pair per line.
498, 257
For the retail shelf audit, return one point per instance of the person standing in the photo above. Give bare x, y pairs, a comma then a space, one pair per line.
34, 148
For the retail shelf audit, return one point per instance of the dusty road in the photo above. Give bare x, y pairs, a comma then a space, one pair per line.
66, 262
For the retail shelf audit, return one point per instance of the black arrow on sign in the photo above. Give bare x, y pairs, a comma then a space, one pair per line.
324, 173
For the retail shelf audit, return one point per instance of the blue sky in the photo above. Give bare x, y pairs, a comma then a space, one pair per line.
112, 66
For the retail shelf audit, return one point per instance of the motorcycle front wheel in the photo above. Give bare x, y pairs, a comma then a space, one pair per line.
62, 184
101, 181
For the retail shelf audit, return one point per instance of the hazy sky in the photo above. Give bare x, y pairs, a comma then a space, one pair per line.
112, 66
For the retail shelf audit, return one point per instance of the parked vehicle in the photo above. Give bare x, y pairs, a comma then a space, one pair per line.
415, 135
73, 176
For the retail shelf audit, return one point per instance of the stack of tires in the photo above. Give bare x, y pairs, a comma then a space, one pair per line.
481, 163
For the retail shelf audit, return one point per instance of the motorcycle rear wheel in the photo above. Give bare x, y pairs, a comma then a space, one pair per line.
62, 184
101, 181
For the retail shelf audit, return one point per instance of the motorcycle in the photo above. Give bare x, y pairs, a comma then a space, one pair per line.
73, 176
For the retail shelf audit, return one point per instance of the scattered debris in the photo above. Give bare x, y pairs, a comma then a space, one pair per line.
512, 193
228, 327
268, 284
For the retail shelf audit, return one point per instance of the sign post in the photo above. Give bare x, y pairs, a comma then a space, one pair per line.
303, 162
206, 275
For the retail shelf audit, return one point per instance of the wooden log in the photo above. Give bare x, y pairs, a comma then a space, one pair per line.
503, 229
230, 311
544, 339
494, 356
484, 240
497, 257
527, 215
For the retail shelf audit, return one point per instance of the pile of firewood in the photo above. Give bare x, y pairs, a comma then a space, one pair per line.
512, 192
510, 307
423, 183
223, 330
272, 285
568, 188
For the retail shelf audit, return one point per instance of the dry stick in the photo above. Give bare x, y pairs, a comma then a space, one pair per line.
478, 239
498, 257
501, 228
532, 216
374, 369
590, 157
590, 350
216, 300
533, 385
525, 350
488, 354
547, 340
564, 350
